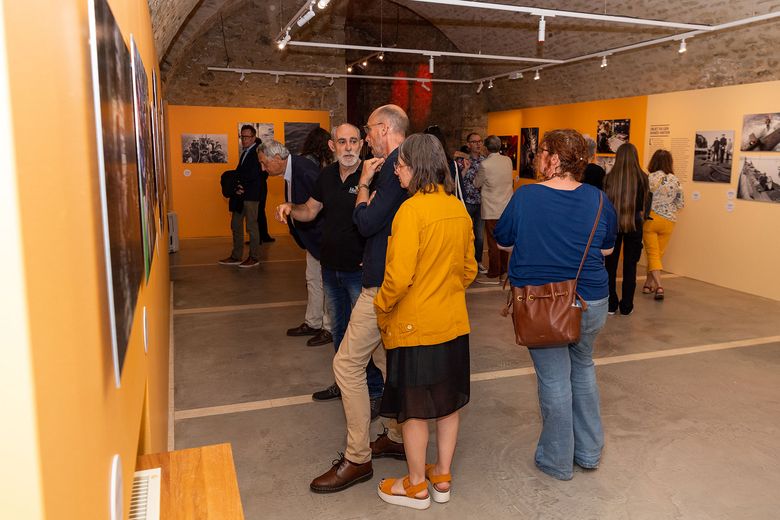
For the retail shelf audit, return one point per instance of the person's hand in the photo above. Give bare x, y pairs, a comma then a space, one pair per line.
283, 211
240, 191
370, 167
466, 164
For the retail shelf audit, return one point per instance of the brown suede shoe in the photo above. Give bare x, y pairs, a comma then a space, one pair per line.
383, 446
323, 337
342, 475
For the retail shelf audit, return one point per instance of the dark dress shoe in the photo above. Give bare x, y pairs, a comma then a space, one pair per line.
323, 337
268, 239
330, 393
384, 447
302, 330
342, 475
376, 405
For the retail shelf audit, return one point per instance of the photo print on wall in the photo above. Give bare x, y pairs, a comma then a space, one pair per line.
295, 135
611, 133
112, 86
204, 148
713, 153
265, 131
606, 162
159, 153
529, 141
509, 148
143, 143
759, 179
761, 133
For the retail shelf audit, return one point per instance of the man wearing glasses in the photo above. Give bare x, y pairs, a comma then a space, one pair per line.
248, 190
469, 165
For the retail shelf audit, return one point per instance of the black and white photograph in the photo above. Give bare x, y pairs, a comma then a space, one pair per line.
159, 150
118, 175
265, 131
713, 153
606, 162
611, 134
759, 179
204, 148
295, 135
145, 159
529, 141
509, 148
761, 133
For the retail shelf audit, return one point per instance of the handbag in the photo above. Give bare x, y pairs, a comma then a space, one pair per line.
549, 315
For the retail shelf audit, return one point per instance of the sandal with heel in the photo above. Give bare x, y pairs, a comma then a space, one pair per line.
647, 289
659, 293
440, 497
409, 499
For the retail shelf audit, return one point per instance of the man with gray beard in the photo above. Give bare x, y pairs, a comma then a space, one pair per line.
334, 195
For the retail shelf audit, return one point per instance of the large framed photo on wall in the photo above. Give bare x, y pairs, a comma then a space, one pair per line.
112, 86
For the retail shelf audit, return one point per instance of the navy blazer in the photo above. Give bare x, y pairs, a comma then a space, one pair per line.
308, 235
249, 174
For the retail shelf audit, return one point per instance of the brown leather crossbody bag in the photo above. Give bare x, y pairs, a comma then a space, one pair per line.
549, 315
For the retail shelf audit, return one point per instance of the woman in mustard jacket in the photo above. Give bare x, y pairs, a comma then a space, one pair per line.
421, 313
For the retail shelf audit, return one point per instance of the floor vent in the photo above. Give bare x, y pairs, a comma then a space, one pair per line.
145, 499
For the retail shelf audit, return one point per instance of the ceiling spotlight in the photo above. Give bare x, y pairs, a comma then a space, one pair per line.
322, 4
284, 40
537, 76
306, 17
381, 56
430, 64
516, 75
542, 25
243, 77
365, 63
683, 46
603, 61
490, 84
479, 88
349, 68
277, 79
425, 86
330, 83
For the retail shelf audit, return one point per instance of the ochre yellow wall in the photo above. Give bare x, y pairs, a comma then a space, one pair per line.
582, 117
737, 249
197, 200
80, 418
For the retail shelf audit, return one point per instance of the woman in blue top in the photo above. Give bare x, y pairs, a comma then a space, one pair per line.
548, 225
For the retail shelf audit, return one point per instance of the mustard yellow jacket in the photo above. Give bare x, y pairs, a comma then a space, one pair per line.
430, 262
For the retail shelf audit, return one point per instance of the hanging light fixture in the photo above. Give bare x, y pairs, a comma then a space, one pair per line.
307, 16
381, 56
542, 26
490, 84
330, 83
603, 61
683, 46
479, 88
322, 4
243, 77
430, 64
365, 63
349, 68
425, 86
285, 39
537, 76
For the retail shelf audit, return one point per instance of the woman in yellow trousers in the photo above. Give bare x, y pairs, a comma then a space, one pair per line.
667, 201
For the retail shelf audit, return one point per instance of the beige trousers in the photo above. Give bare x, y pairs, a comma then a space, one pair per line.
317, 316
360, 343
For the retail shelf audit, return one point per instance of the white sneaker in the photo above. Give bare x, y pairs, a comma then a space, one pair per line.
481, 268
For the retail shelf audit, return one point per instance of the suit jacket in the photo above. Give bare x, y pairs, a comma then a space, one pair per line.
249, 174
495, 178
229, 183
308, 235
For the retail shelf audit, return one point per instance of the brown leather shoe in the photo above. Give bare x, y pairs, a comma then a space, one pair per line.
302, 330
323, 337
342, 475
383, 446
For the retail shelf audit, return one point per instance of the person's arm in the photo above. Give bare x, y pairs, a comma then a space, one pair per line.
300, 212
388, 195
479, 178
469, 262
402, 249
367, 173
505, 231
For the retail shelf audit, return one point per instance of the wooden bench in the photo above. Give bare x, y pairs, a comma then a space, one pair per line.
197, 483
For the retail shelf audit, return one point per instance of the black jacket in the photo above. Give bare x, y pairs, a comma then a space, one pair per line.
249, 174
230, 184
308, 235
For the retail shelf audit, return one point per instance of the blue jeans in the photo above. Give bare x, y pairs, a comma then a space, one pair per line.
342, 289
475, 212
569, 400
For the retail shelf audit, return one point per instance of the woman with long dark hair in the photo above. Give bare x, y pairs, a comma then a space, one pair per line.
626, 187
667, 201
316, 149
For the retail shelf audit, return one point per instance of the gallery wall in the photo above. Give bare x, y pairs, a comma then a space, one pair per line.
68, 418
197, 199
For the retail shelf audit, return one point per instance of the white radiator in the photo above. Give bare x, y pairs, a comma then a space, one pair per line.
145, 498
173, 232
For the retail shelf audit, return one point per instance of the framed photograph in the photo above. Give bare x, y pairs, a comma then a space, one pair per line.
761, 133
611, 133
112, 86
265, 131
204, 148
529, 142
759, 179
509, 148
159, 151
606, 162
713, 152
145, 158
295, 135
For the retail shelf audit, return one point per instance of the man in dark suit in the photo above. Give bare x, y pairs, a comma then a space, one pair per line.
300, 176
248, 189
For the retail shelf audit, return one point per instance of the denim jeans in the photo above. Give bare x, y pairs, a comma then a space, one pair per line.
342, 289
475, 212
569, 400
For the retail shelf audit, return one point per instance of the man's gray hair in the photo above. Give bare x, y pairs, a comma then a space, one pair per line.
394, 117
333, 132
591, 145
272, 147
493, 143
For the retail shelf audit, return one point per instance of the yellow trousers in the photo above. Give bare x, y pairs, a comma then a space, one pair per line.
656, 234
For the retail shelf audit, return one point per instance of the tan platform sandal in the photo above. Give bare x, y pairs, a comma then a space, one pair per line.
440, 497
385, 491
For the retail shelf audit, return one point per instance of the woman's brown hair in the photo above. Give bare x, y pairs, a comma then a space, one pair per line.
572, 151
661, 161
622, 184
424, 154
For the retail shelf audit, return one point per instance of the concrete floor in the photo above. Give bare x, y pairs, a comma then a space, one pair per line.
690, 392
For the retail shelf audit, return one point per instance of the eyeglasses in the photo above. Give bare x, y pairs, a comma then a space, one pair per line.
544, 150
240, 136
475, 142
367, 127
399, 164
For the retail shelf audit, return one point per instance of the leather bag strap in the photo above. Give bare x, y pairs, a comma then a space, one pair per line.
590, 239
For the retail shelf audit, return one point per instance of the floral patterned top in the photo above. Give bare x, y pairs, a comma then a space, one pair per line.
667, 195
471, 194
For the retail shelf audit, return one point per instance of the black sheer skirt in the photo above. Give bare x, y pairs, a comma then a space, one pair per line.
427, 382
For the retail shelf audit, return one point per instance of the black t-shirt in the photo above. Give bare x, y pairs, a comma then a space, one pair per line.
594, 175
342, 244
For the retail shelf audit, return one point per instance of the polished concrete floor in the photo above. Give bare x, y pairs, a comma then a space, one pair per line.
690, 391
